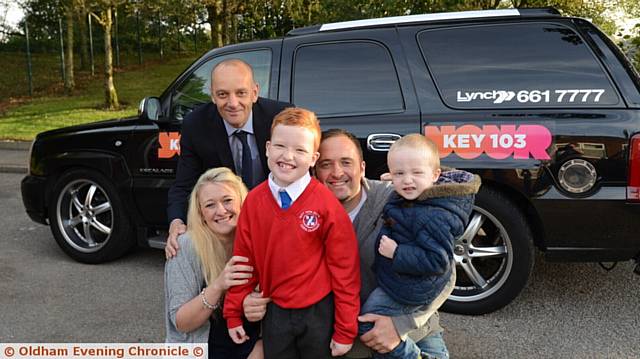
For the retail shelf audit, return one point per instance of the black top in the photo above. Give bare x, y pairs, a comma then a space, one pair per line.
204, 144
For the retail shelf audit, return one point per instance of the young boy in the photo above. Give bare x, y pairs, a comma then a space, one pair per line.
302, 245
414, 261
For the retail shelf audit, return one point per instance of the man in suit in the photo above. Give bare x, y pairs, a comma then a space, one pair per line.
232, 132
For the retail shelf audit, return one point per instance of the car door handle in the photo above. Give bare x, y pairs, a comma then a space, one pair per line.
381, 141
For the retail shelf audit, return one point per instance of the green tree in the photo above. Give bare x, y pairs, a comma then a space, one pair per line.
216, 19
69, 78
43, 24
101, 11
81, 13
629, 41
595, 10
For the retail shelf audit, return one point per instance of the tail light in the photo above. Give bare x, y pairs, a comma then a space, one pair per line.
633, 181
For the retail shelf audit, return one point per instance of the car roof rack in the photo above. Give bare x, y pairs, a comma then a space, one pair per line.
421, 18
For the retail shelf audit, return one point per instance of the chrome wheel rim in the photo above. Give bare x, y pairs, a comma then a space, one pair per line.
483, 256
84, 215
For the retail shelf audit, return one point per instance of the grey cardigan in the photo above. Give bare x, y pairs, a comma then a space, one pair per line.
183, 281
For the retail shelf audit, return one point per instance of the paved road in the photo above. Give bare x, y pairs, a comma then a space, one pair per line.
568, 310
45, 296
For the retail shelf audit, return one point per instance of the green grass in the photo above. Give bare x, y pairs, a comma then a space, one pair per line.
13, 76
25, 120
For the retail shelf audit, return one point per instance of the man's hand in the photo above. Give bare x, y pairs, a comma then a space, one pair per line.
176, 228
383, 338
338, 349
387, 247
255, 306
238, 335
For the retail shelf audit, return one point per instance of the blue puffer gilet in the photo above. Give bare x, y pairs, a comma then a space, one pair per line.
425, 230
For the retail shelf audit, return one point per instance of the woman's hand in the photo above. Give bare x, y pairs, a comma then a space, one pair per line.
234, 274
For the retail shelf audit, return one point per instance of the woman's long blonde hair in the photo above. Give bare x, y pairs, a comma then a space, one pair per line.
208, 246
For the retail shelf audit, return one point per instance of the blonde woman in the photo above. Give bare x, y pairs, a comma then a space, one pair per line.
202, 271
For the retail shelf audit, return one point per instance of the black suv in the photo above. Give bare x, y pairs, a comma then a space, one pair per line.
543, 107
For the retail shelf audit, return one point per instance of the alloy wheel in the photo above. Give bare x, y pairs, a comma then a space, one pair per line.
84, 215
483, 256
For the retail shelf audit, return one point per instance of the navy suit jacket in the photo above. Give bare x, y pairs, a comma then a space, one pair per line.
204, 144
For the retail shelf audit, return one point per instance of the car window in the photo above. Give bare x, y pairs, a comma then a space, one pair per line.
346, 78
515, 66
196, 89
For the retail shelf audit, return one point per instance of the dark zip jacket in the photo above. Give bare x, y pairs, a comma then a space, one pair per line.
425, 230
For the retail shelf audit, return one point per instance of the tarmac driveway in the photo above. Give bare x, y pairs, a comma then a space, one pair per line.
568, 310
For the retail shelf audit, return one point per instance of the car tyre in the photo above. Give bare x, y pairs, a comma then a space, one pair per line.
494, 257
88, 219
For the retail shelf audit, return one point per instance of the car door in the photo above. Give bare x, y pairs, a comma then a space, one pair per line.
528, 106
356, 80
155, 160
553, 121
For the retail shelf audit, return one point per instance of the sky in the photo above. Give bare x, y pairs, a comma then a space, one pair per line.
12, 11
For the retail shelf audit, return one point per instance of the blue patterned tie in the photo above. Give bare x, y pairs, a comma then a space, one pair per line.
285, 199
247, 163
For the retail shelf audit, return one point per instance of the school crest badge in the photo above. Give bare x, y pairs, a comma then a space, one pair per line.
309, 221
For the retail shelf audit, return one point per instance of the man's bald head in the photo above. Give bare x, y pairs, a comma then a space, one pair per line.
233, 91
232, 63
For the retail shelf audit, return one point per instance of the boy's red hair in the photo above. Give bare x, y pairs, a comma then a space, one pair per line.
300, 117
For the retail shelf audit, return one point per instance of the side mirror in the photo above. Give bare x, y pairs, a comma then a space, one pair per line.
149, 109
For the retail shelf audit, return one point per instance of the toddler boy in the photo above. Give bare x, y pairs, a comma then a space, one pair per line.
414, 258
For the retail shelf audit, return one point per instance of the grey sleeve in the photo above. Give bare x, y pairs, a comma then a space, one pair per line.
183, 278
425, 321
406, 323
421, 322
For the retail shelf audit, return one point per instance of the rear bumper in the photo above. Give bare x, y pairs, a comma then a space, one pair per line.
603, 227
33, 190
557, 254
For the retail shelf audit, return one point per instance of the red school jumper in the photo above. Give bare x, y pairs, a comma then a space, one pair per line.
299, 255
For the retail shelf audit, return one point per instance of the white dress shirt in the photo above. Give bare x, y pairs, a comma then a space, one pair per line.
294, 190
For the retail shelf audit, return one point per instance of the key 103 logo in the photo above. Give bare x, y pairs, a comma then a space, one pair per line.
498, 142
